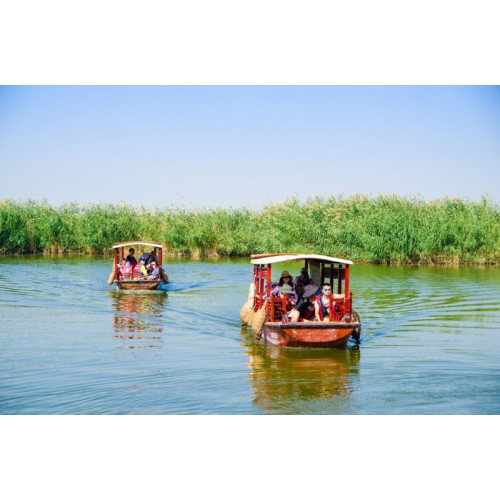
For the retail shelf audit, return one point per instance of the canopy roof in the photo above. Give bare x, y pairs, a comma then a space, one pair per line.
288, 257
138, 243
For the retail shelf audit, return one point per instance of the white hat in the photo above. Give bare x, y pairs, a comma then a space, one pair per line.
286, 289
310, 290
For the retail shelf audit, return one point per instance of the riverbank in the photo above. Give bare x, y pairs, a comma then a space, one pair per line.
381, 229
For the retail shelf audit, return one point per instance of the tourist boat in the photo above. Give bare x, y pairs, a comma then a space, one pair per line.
136, 284
267, 316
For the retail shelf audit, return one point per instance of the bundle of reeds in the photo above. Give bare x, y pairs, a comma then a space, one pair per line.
258, 320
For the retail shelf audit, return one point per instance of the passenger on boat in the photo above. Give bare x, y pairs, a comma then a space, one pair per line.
322, 304
130, 257
124, 270
139, 272
303, 278
304, 308
154, 274
286, 278
152, 257
275, 291
287, 292
299, 292
280, 291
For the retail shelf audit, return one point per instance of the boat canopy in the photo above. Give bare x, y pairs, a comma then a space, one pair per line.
289, 257
138, 243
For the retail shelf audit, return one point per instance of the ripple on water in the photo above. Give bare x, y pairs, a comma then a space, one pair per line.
71, 344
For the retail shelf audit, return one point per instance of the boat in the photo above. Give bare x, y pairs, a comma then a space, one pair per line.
266, 314
136, 284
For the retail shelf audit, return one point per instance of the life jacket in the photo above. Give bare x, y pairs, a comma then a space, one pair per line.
135, 272
323, 310
140, 275
126, 271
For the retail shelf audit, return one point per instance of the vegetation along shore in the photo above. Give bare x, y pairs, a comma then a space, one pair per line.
375, 229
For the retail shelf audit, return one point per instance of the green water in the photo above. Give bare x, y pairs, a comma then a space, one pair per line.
70, 344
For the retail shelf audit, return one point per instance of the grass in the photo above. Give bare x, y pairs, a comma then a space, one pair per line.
381, 229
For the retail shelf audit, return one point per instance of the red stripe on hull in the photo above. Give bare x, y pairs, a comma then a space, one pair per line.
308, 335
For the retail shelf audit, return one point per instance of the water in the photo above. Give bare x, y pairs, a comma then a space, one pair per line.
70, 344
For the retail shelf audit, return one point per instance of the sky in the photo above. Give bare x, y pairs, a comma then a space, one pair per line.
247, 146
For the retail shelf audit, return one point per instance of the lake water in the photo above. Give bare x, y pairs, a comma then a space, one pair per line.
71, 344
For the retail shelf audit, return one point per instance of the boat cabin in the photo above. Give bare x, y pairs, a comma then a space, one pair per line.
135, 281
321, 269
120, 250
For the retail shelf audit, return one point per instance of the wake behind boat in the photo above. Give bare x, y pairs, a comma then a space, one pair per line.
269, 309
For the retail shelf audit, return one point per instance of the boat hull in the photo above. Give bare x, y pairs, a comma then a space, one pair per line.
310, 334
137, 285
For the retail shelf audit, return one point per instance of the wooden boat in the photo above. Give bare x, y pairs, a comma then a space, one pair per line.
136, 284
266, 313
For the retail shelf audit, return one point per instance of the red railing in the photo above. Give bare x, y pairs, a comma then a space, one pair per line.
339, 308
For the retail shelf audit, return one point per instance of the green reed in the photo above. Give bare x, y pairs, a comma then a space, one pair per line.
381, 229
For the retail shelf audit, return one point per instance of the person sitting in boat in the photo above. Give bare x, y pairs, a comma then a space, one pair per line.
281, 291
154, 273
139, 272
150, 257
130, 257
299, 292
303, 278
304, 308
275, 291
286, 291
322, 304
124, 270
285, 279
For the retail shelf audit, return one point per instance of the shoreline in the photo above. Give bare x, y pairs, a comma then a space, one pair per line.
379, 229
208, 257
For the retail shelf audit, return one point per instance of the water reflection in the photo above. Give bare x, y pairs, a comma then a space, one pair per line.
294, 381
137, 313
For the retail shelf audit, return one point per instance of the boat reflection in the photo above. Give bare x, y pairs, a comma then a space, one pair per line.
297, 381
138, 313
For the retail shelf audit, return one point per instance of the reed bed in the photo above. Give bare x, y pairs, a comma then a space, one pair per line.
380, 229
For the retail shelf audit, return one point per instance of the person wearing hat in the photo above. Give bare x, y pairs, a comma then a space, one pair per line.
140, 272
286, 279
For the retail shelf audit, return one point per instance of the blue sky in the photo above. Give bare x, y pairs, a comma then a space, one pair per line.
233, 146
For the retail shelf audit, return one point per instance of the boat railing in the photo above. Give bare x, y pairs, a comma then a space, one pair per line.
339, 308
276, 308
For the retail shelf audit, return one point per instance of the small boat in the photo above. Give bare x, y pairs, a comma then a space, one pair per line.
128, 283
267, 313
